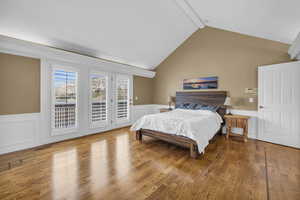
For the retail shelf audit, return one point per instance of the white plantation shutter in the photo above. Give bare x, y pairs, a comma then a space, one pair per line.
122, 94
98, 98
64, 109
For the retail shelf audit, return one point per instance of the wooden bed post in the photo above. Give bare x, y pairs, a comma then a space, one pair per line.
139, 135
193, 151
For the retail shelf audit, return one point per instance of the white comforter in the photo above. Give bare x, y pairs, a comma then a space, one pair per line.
199, 125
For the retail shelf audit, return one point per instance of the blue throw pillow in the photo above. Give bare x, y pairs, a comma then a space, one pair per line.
198, 106
209, 107
182, 106
189, 106
206, 107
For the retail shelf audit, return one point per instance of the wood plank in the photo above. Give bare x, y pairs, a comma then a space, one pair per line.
113, 165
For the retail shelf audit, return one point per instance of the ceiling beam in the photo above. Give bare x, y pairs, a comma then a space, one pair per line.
190, 12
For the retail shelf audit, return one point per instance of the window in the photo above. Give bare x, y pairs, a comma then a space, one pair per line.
98, 99
64, 110
122, 98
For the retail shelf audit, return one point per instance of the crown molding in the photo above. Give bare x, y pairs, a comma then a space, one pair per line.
190, 13
29, 49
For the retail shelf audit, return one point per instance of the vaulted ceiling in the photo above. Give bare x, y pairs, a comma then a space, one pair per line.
277, 20
136, 32
141, 32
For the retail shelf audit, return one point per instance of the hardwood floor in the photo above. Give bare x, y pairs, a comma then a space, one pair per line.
113, 165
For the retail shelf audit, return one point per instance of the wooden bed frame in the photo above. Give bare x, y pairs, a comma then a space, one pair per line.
208, 98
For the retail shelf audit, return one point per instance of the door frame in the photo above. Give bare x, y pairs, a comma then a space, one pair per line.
107, 124
114, 121
260, 134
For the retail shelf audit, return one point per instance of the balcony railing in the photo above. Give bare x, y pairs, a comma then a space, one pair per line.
65, 114
99, 111
122, 109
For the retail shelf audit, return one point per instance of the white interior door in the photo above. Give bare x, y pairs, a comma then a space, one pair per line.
123, 100
279, 104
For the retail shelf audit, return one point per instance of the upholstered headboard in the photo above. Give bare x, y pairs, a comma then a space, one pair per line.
216, 98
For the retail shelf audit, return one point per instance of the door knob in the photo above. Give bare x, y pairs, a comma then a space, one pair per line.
261, 107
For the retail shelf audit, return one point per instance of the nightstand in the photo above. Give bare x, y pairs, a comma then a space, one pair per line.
237, 121
164, 110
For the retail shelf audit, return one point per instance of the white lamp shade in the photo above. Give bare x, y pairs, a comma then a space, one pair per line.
227, 101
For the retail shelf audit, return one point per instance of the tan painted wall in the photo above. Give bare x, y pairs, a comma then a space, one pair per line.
19, 84
232, 57
143, 89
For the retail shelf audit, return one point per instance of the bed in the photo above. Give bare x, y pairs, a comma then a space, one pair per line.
188, 128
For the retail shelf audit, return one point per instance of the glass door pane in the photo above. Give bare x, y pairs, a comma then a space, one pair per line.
123, 98
98, 99
65, 99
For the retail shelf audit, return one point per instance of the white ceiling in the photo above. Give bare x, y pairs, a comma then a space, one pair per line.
141, 32
277, 20
136, 32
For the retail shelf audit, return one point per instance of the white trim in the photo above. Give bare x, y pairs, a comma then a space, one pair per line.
24, 48
279, 115
282, 65
188, 10
45, 136
19, 131
23, 131
60, 131
126, 120
100, 124
36, 126
16, 117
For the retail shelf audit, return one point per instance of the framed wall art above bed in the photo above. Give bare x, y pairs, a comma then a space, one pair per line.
200, 83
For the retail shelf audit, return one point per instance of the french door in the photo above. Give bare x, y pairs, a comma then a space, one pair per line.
100, 92
123, 90
110, 100
279, 104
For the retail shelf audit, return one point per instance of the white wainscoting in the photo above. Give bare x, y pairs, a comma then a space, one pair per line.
18, 132
24, 131
141, 110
